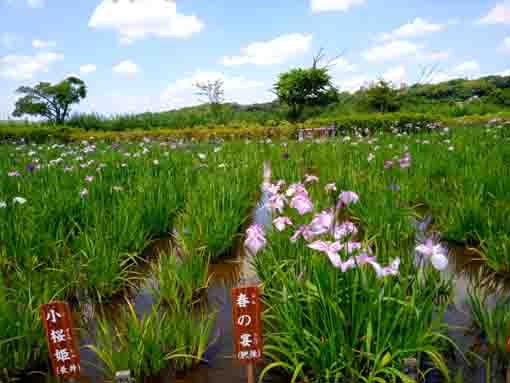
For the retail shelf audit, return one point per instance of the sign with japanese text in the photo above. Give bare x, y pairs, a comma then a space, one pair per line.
246, 309
64, 355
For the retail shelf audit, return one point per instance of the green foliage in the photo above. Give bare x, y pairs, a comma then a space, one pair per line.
23, 344
305, 87
382, 97
181, 280
323, 325
143, 190
52, 102
493, 324
158, 340
500, 97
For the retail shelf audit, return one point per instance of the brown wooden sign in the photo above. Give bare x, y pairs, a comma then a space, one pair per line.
246, 309
65, 357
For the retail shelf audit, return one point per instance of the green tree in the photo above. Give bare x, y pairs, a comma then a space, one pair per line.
382, 97
50, 101
299, 88
500, 97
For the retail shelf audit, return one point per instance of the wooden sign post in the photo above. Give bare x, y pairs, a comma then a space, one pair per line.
64, 355
246, 310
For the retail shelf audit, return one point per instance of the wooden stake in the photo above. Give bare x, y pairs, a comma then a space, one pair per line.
250, 371
508, 375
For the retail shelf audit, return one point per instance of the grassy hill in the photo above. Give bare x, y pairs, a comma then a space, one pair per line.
485, 96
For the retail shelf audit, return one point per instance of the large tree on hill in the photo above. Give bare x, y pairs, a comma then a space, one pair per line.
299, 87
50, 101
383, 97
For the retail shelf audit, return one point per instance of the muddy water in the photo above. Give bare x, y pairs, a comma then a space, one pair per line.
468, 271
220, 366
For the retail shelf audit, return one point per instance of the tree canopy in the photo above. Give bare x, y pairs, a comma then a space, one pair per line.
305, 87
382, 97
50, 101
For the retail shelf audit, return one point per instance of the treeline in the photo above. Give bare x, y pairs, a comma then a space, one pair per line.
456, 98
300, 95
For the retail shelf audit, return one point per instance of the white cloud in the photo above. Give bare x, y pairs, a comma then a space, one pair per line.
432, 57
30, 3
392, 50
35, 3
352, 84
504, 73
42, 44
505, 46
87, 68
126, 68
334, 5
438, 77
417, 28
141, 19
468, 69
343, 65
276, 51
8, 40
17, 67
500, 14
237, 89
395, 75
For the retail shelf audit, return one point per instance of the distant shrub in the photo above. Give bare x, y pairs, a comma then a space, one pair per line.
370, 123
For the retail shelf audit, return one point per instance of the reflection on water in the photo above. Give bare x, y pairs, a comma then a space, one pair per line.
465, 266
469, 272
219, 366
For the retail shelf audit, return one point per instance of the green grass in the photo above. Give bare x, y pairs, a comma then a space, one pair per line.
59, 242
157, 340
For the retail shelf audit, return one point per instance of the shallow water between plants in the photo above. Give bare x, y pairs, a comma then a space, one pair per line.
220, 365
465, 266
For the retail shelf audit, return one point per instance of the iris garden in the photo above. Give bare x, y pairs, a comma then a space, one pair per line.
355, 263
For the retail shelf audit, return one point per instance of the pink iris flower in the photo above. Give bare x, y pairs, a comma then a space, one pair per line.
331, 249
89, 178
255, 239
277, 202
364, 259
404, 163
330, 187
344, 229
435, 252
272, 188
311, 178
304, 231
296, 189
392, 269
301, 203
281, 223
370, 156
322, 222
350, 247
14, 174
347, 198
388, 164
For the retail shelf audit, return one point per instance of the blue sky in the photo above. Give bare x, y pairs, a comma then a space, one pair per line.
140, 55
